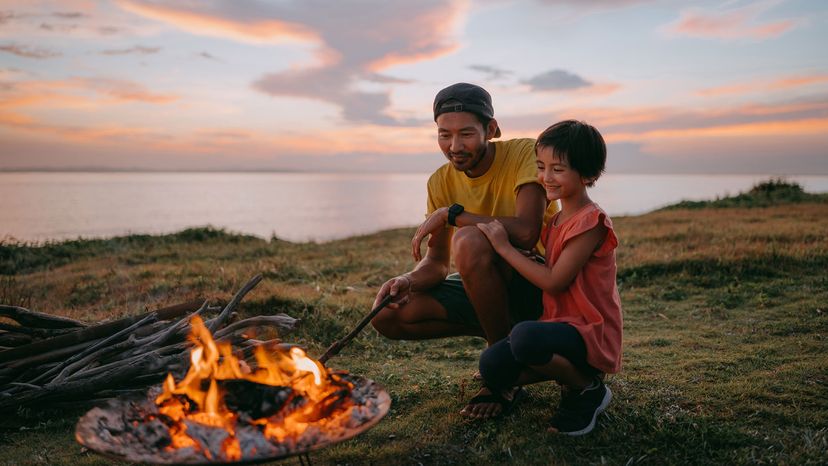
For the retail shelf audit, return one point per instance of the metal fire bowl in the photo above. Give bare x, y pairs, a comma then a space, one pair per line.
103, 430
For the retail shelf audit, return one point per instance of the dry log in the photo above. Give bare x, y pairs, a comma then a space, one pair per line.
36, 332
86, 386
38, 319
225, 314
15, 340
64, 368
281, 321
128, 353
94, 332
46, 357
140, 345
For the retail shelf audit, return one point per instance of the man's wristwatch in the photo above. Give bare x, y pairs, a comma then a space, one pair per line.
453, 212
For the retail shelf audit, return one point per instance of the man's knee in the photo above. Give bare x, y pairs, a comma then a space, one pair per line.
471, 250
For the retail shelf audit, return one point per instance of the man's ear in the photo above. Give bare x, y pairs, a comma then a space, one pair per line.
491, 129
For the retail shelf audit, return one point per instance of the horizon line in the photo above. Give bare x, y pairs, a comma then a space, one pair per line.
299, 171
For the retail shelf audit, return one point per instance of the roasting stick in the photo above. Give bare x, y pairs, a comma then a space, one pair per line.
334, 349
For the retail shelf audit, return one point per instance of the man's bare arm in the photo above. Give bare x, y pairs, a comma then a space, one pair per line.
525, 227
428, 272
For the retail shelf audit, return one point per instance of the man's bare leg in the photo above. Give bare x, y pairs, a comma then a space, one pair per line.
485, 281
423, 317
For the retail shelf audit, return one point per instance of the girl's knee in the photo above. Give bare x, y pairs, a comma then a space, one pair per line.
527, 348
494, 360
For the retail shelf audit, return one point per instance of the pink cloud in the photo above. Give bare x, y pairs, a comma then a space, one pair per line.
348, 52
736, 23
764, 85
77, 92
28, 52
193, 19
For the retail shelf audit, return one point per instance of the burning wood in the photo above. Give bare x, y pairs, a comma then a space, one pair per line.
76, 362
226, 410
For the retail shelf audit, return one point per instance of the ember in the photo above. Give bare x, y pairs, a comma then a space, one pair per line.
224, 410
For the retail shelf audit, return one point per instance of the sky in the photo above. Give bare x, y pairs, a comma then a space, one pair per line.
347, 85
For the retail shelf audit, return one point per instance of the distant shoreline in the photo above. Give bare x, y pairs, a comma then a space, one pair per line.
366, 172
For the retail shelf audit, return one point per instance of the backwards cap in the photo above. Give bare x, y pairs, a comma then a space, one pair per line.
465, 97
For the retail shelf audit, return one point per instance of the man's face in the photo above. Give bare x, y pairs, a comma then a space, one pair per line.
462, 138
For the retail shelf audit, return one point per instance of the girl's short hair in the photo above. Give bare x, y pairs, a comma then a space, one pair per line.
579, 144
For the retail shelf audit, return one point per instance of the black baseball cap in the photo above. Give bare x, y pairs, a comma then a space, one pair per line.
465, 97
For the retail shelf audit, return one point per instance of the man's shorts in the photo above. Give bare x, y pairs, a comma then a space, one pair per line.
525, 302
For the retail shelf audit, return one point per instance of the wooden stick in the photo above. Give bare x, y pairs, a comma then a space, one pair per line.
113, 378
41, 358
94, 332
334, 349
38, 319
15, 340
35, 331
281, 321
115, 337
225, 314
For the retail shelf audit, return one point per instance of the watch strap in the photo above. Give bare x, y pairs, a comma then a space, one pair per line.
453, 212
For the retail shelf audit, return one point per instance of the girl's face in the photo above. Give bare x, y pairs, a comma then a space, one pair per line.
559, 179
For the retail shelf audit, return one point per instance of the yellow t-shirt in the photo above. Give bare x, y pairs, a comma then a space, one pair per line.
494, 193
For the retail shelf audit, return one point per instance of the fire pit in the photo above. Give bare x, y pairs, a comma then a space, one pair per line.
225, 410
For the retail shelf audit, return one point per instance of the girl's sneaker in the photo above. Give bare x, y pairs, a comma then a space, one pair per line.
578, 410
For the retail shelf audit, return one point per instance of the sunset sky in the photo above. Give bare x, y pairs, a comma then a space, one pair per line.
347, 85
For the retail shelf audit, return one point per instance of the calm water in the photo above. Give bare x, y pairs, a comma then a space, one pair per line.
292, 206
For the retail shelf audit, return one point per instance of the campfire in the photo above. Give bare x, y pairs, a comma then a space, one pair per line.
226, 409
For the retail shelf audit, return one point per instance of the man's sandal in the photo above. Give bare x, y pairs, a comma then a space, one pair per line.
506, 405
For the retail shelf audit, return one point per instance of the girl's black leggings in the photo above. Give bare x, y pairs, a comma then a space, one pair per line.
532, 344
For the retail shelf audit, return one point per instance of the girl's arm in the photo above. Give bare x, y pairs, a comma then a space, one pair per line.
553, 279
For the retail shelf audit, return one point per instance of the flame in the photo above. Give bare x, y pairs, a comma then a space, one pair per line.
200, 396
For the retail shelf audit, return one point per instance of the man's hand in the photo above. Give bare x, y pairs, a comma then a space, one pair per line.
437, 220
496, 233
400, 287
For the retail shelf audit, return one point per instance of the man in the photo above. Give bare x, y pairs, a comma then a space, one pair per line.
484, 180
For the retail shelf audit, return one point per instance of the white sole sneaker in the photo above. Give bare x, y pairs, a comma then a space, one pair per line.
604, 403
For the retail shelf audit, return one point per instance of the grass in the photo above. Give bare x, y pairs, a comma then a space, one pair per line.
725, 354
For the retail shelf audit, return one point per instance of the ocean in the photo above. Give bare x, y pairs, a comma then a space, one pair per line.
45, 206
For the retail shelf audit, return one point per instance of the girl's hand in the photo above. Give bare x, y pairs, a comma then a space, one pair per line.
496, 233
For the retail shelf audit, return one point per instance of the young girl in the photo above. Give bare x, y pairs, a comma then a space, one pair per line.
578, 337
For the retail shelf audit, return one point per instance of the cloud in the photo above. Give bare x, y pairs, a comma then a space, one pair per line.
29, 52
6, 16
82, 18
124, 91
764, 86
58, 27
557, 80
249, 23
207, 56
70, 14
137, 49
805, 116
595, 4
730, 24
75, 92
492, 73
352, 43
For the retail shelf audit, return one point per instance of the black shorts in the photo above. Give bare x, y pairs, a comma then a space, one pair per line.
525, 301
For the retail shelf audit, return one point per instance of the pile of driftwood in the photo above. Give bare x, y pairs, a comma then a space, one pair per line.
50, 361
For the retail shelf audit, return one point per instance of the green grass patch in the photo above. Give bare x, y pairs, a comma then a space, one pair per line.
725, 353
